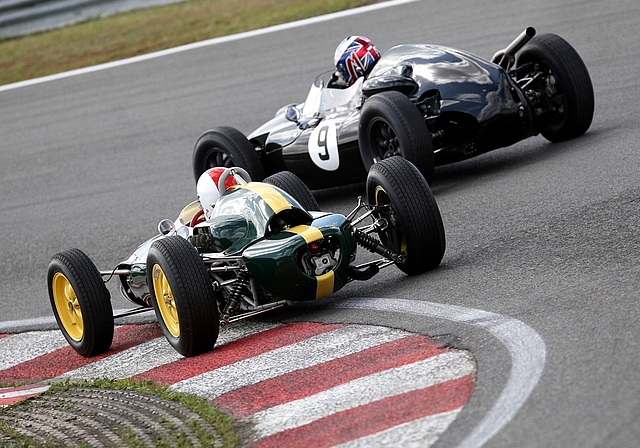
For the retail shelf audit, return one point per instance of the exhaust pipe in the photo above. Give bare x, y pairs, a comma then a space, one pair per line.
504, 58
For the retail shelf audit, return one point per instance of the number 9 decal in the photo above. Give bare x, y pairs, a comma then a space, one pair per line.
323, 146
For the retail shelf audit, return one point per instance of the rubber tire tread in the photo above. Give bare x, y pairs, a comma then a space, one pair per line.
192, 291
408, 124
240, 149
94, 299
568, 66
289, 182
416, 207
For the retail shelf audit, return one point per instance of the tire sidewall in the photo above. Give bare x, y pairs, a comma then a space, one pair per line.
290, 183
232, 142
396, 110
97, 318
417, 211
154, 257
568, 67
197, 316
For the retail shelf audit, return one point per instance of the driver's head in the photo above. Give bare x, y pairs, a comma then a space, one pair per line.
355, 57
208, 191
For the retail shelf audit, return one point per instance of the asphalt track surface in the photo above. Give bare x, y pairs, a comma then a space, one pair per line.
545, 235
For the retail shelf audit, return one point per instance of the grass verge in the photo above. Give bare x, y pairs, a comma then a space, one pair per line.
148, 30
224, 437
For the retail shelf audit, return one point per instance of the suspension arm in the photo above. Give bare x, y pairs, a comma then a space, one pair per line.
372, 245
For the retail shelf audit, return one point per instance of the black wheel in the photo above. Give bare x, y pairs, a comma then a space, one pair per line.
182, 296
415, 229
81, 302
292, 184
226, 147
562, 93
391, 125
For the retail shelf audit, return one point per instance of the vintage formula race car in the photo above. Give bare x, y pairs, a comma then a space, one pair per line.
430, 104
265, 245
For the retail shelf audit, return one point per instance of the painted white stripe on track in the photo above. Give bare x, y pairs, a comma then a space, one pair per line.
13, 395
22, 347
207, 43
420, 433
362, 391
525, 346
314, 350
243, 329
152, 354
23, 392
127, 363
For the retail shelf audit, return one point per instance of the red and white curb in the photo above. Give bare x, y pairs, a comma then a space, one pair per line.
13, 395
141, 352
526, 348
299, 384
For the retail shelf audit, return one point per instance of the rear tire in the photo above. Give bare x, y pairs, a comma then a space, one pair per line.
292, 184
226, 147
574, 102
182, 296
415, 229
81, 302
390, 124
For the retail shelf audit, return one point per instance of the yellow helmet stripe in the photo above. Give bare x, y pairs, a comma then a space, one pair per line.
325, 285
271, 196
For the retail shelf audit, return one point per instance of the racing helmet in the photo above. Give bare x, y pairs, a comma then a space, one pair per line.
208, 191
355, 57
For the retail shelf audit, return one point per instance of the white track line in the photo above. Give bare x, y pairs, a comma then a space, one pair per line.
21, 391
206, 43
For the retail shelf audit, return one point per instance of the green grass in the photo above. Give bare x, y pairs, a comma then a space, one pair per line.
222, 423
148, 30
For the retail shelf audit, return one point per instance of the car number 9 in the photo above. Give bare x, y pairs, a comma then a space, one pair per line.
323, 146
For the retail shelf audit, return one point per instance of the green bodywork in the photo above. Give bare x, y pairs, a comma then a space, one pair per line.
270, 230
274, 261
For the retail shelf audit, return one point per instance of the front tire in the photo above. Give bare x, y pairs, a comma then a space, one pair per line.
415, 229
226, 147
566, 78
81, 302
391, 125
292, 184
182, 296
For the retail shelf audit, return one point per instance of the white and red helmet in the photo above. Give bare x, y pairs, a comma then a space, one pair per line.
208, 190
355, 57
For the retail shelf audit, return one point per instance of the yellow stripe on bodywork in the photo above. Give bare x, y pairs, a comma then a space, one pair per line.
271, 196
310, 234
325, 282
325, 285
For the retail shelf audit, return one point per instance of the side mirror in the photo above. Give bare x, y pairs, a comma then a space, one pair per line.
165, 226
292, 113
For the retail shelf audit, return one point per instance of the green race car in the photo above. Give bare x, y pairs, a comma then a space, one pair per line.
265, 246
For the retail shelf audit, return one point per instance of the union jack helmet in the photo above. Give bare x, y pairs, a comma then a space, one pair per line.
355, 57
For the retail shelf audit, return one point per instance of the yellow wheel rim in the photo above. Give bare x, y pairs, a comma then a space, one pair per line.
165, 301
67, 307
382, 198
